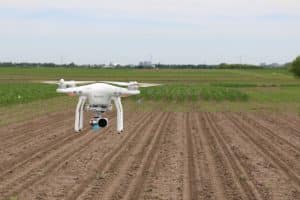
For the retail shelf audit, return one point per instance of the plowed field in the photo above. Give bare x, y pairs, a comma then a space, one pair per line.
161, 155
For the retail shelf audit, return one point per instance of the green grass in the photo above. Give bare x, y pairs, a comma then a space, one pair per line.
223, 94
191, 92
249, 86
204, 76
20, 93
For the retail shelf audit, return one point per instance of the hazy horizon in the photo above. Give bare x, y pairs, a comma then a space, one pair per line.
169, 32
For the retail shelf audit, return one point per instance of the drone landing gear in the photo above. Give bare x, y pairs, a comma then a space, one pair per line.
119, 108
79, 114
98, 122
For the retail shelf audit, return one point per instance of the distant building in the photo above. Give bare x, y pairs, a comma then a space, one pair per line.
112, 65
274, 65
263, 64
146, 64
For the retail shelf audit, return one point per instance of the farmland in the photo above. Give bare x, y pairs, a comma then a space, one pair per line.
205, 134
271, 86
175, 156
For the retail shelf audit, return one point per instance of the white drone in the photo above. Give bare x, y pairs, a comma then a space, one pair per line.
97, 97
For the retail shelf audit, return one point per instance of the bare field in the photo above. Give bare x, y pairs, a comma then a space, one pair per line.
161, 155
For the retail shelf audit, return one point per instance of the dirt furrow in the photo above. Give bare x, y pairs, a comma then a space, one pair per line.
266, 149
18, 137
161, 155
200, 166
95, 179
41, 168
121, 170
25, 149
135, 185
210, 184
20, 150
282, 128
74, 168
211, 171
25, 138
33, 154
164, 177
273, 136
15, 126
186, 192
193, 174
23, 128
78, 166
292, 120
238, 167
267, 177
232, 186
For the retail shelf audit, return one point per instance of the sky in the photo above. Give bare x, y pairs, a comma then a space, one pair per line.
164, 31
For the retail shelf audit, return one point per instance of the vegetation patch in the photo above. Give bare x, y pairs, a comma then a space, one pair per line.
181, 86
19, 93
251, 85
223, 94
191, 92
234, 85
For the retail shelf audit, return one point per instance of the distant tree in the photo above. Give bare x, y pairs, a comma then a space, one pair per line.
295, 66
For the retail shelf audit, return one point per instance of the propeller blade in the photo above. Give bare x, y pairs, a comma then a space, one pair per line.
116, 83
83, 82
132, 83
109, 82
67, 82
50, 82
149, 84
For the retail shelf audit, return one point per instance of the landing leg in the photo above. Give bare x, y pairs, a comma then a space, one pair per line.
78, 126
119, 108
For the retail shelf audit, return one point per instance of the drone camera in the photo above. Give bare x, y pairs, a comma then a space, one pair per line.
99, 122
102, 122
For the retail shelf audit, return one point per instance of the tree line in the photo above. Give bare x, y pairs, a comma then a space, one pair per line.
158, 66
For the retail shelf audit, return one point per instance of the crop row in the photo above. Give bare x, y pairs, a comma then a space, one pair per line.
181, 93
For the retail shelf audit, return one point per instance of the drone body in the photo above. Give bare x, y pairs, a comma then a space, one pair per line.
98, 98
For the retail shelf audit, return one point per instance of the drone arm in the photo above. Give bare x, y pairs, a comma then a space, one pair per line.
79, 114
119, 108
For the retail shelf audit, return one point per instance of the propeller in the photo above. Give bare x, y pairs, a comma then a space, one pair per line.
132, 83
62, 81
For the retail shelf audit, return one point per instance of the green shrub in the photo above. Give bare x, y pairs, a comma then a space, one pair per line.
295, 66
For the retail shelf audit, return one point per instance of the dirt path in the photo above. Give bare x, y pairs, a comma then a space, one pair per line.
161, 155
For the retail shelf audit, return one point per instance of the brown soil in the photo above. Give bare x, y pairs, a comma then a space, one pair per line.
161, 155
